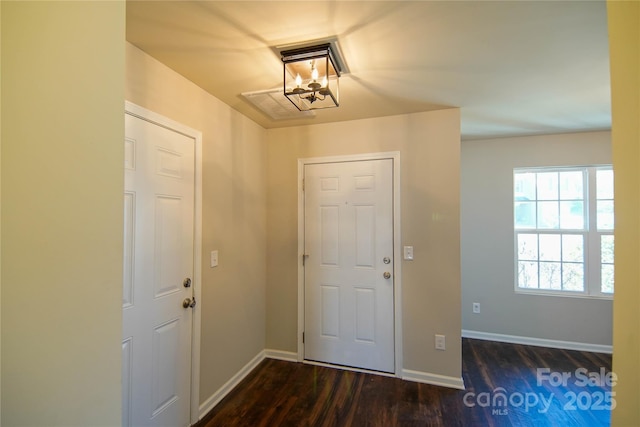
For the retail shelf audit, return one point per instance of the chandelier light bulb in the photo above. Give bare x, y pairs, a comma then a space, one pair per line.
314, 74
324, 81
298, 80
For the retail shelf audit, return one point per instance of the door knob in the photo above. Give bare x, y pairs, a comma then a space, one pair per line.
188, 302
386, 275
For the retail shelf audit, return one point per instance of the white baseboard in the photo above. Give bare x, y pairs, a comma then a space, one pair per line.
540, 342
212, 401
433, 379
288, 356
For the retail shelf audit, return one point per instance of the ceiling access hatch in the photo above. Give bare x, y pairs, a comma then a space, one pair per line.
274, 104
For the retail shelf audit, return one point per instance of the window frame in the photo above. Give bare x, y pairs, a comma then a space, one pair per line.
592, 236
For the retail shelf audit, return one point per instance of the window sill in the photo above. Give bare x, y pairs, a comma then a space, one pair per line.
563, 294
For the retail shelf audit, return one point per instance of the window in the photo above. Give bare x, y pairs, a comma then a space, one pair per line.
563, 221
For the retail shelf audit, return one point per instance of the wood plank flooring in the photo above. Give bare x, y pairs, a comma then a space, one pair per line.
503, 388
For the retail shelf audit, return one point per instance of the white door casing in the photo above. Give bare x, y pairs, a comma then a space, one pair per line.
161, 228
348, 249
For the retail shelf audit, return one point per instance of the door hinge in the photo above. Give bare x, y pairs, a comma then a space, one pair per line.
303, 338
304, 258
302, 184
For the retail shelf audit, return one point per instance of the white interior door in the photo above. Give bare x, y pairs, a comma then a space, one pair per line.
158, 258
349, 318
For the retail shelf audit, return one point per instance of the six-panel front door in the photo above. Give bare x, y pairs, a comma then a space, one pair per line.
158, 264
348, 282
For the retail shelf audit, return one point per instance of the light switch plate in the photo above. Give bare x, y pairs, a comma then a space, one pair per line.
214, 258
408, 253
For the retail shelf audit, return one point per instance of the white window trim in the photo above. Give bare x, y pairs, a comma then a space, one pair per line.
592, 258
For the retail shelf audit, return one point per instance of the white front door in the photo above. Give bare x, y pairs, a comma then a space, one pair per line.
158, 264
348, 270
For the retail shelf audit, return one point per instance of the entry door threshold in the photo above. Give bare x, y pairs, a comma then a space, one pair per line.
350, 368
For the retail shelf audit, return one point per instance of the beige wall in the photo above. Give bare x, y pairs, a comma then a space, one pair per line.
62, 180
429, 144
0, 215
488, 247
624, 47
234, 216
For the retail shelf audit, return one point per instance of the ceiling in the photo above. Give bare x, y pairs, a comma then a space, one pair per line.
513, 67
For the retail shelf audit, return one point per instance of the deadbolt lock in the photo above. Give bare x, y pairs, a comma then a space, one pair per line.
187, 282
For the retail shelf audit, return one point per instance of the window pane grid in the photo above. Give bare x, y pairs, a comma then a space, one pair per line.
551, 220
606, 264
549, 200
604, 199
551, 261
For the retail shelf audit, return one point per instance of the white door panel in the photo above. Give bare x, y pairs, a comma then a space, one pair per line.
349, 317
158, 257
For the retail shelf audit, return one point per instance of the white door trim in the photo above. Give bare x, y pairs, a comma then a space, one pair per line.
397, 294
160, 120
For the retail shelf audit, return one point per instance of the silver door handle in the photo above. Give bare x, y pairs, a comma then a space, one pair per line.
386, 275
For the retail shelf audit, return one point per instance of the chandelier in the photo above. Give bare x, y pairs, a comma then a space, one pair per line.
311, 77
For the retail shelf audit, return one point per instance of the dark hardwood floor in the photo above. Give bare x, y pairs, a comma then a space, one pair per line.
503, 388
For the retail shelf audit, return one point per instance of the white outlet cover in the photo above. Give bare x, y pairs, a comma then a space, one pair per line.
440, 342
